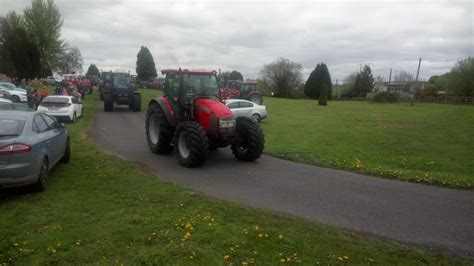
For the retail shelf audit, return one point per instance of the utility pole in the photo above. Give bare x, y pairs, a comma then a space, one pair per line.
336, 88
416, 83
390, 77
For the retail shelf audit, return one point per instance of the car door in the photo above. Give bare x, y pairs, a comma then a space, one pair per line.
234, 108
245, 109
57, 139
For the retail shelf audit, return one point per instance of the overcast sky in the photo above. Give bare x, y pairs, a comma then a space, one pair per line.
246, 35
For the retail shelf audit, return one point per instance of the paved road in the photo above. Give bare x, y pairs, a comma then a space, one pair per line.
422, 215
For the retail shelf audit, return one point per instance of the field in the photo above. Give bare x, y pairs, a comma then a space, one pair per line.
100, 209
428, 143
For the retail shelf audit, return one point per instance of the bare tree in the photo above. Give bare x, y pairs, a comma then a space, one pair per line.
350, 79
71, 60
282, 76
403, 77
379, 79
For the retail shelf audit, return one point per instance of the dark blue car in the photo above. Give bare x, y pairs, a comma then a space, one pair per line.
31, 143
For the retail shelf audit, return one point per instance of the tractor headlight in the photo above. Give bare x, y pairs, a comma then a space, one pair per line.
227, 123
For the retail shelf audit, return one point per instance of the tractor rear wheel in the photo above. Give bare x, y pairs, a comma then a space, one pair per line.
191, 144
159, 133
251, 140
256, 98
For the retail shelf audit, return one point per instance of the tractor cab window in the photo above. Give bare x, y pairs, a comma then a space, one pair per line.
121, 82
196, 84
247, 87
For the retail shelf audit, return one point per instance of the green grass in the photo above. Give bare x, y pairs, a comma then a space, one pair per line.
427, 143
100, 209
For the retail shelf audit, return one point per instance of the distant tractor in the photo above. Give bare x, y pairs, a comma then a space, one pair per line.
119, 89
246, 90
192, 119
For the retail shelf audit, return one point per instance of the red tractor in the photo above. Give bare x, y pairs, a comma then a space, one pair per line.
192, 119
246, 90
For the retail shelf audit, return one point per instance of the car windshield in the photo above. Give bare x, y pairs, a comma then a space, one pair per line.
8, 85
121, 82
196, 84
11, 126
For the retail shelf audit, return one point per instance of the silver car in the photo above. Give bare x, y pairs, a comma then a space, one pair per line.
31, 143
246, 108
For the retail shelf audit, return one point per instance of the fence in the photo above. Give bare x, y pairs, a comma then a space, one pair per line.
447, 100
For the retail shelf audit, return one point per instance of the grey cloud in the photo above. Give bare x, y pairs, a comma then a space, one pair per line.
246, 35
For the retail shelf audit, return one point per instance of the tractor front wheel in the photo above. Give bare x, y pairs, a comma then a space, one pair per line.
136, 104
159, 133
251, 140
191, 144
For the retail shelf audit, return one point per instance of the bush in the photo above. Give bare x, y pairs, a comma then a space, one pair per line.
385, 97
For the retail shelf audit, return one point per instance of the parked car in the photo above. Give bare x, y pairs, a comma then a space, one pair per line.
11, 86
16, 95
31, 143
247, 109
4, 106
64, 108
49, 81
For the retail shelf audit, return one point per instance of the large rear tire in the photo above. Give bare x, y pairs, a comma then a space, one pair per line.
251, 140
256, 98
191, 144
159, 133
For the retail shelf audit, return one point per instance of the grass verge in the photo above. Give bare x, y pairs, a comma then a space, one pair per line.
102, 210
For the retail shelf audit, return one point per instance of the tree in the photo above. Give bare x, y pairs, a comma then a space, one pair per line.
236, 75
282, 76
145, 64
43, 24
71, 60
364, 82
92, 70
323, 96
319, 76
19, 57
461, 78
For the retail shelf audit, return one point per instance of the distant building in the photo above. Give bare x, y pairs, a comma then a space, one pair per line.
400, 88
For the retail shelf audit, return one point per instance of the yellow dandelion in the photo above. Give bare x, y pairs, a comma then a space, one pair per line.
340, 258
187, 235
226, 257
346, 257
188, 225
280, 236
260, 235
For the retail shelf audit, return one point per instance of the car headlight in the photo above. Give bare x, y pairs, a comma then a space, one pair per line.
226, 123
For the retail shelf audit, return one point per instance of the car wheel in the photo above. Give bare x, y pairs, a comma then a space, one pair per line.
42, 182
257, 117
15, 99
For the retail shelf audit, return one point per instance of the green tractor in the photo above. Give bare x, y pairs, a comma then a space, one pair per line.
192, 119
118, 88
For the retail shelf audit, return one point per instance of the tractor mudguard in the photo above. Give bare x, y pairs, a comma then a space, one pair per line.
167, 109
